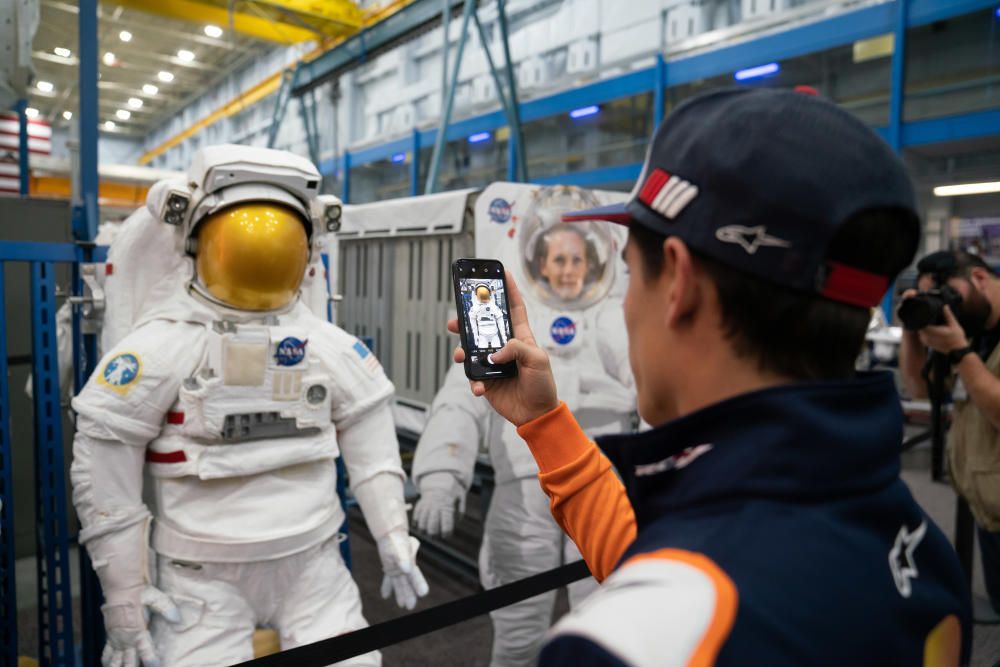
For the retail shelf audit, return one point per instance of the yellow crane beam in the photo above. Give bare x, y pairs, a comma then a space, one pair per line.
268, 86
251, 26
344, 12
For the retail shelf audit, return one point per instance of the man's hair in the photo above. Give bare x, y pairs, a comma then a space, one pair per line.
792, 333
946, 264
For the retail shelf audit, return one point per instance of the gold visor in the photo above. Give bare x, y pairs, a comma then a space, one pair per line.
253, 256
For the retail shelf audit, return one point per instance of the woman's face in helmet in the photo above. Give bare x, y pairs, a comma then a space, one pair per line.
565, 263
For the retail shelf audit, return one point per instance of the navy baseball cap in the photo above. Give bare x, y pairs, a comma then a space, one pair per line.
760, 179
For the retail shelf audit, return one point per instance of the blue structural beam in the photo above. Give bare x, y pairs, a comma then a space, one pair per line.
55, 605
415, 16
85, 214
951, 128
625, 173
8, 588
36, 251
415, 164
22, 147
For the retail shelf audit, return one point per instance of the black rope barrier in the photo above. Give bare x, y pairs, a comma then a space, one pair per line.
375, 637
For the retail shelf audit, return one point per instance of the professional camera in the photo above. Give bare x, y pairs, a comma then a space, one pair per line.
927, 308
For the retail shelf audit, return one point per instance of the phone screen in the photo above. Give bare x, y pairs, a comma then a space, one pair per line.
483, 316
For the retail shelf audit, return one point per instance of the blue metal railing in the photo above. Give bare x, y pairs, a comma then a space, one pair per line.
55, 618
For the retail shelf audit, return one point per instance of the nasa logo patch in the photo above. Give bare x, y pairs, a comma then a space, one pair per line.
121, 372
291, 351
500, 210
563, 330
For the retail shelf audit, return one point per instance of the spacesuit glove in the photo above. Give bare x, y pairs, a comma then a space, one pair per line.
126, 620
434, 513
398, 552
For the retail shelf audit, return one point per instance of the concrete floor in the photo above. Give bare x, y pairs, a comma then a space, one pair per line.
468, 644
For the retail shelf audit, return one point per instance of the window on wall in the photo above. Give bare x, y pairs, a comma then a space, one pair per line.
470, 162
953, 66
591, 137
855, 76
382, 179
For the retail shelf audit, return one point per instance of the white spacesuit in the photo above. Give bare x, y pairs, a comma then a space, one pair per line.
576, 315
234, 400
486, 320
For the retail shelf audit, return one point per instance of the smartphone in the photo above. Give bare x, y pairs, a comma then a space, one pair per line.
483, 316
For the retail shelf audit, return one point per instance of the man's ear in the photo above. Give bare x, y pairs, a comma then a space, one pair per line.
683, 293
978, 276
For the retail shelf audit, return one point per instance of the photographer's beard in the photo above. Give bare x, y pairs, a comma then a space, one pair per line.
974, 312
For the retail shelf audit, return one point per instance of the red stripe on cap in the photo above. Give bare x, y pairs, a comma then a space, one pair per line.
854, 286
653, 185
166, 457
175, 417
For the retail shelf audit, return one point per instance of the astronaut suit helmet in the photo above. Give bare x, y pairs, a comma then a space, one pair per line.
568, 266
483, 294
250, 220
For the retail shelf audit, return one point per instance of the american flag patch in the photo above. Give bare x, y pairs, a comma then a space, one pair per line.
667, 194
370, 361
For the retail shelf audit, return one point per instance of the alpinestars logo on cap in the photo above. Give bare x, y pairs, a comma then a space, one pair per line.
667, 194
750, 238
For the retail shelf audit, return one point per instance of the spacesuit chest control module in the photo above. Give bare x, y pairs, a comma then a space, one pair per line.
233, 400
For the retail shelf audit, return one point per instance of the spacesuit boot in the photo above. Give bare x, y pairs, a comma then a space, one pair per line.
234, 400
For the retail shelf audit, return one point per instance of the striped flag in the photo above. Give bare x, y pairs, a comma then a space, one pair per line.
39, 143
667, 194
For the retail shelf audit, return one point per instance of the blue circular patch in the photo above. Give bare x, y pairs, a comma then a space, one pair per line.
563, 330
499, 210
290, 351
122, 370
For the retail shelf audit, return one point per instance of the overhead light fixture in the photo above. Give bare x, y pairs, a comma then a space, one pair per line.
185, 55
583, 112
399, 157
109, 125
966, 189
31, 112
62, 52
123, 114
135, 102
125, 36
68, 115
998, 12
109, 59
45, 86
213, 31
166, 77
479, 137
757, 72
150, 89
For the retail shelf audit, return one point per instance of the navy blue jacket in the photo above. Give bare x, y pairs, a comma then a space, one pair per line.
788, 500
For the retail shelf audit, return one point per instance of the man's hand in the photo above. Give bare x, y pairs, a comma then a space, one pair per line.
398, 553
947, 337
533, 392
125, 621
435, 511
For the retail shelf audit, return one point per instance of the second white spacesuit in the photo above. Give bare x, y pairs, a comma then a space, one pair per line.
486, 320
588, 352
234, 400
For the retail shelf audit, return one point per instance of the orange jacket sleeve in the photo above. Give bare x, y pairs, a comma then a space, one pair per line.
587, 499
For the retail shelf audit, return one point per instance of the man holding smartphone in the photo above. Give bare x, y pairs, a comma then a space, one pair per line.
762, 520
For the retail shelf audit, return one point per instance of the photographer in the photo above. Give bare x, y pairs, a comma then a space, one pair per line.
967, 334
